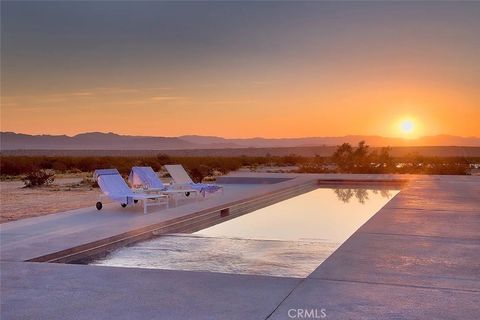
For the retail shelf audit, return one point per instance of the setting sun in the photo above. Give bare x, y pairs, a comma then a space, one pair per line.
407, 126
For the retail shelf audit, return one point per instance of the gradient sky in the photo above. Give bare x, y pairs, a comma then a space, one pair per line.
240, 69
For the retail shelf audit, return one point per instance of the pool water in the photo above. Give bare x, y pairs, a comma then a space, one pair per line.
290, 238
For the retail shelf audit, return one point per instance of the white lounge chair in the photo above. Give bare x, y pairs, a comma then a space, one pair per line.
144, 178
114, 187
182, 179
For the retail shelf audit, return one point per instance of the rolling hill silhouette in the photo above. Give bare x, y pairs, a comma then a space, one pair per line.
112, 141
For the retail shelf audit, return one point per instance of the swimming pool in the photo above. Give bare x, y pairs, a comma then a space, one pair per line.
290, 238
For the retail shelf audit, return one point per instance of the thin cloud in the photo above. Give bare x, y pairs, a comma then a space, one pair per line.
167, 98
259, 83
232, 102
136, 102
9, 104
108, 90
82, 94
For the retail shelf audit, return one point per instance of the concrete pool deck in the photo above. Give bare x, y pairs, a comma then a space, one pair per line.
418, 257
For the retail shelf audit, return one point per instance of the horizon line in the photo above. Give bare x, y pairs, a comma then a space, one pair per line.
245, 138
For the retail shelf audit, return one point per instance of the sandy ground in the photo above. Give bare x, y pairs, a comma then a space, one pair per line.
65, 193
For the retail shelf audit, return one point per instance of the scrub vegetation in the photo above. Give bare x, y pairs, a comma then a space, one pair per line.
36, 178
38, 170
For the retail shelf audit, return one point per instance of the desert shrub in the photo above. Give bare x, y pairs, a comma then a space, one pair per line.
148, 162
14, 166
59, 166
86, 164
163, 159
38, 178
209, 179
89, 182
381, 161
316, 165
291, 160
198, 173
347, 159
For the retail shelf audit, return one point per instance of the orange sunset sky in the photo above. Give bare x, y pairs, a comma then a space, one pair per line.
241, 69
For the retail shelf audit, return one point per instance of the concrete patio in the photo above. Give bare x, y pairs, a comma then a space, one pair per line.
417, 258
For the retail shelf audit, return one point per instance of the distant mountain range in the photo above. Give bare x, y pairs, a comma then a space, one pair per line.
112, 141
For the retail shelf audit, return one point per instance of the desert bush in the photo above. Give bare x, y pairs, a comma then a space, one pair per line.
198, 173
38, 178
89, 182
59, 166
14, 166
316, 165
347, 159
163, 159
291, 160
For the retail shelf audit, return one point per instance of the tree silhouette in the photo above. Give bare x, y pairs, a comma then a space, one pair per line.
350, 160
343, 157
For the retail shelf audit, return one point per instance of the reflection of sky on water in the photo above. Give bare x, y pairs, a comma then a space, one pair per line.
290, 238
324, 213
